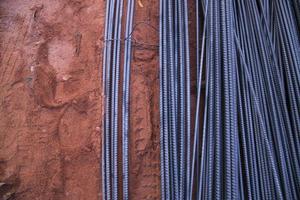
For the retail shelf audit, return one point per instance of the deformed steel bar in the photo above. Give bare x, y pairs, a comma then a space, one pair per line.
125, 100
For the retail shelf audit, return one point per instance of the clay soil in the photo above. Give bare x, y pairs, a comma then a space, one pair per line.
51, 100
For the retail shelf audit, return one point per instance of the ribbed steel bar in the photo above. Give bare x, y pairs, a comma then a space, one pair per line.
125, 100
104, 175
108, 194
182, 101
165, 105
188, 97
162, 138
115, 111
172, 112
197, 115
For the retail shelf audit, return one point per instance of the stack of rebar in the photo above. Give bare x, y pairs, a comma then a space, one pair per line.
251, 130
111, 75
175, 129
111, 71
249, 145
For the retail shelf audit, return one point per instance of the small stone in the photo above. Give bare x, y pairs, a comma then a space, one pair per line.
67, 158
31, 68
66, 77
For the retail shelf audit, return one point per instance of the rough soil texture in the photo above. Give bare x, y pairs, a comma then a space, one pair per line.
51, 100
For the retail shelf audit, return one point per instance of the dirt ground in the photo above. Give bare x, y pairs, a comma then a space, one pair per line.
51, 100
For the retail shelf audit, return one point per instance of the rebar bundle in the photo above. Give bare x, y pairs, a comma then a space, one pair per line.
250, 136
111, 70
248, 56
174, 100
111, 75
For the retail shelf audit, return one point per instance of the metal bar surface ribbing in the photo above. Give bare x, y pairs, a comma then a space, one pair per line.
162, 158
174, 100
111, 70
107, 123
115, 111
251, 122
250, 136
125, 100
103, 166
